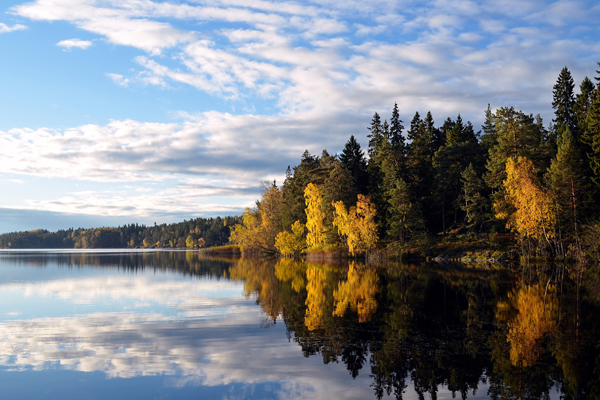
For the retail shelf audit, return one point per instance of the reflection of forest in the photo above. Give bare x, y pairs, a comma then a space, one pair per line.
462, 329
513, 335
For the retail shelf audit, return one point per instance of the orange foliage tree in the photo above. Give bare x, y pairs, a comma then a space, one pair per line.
533, 215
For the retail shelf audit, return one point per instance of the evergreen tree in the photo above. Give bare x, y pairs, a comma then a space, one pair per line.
592, 138
475, 203
583, 103
460, 150
419, 176
563, 100
517, 135
435, 135
396, 138
376, 137
489, 137
567, 180
352, 157
404, 217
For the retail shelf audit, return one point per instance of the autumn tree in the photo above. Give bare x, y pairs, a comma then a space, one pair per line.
291, 243
315, 216
534, 215
357, 225
260, 226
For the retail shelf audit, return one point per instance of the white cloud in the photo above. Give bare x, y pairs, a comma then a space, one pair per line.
318, 66
119, 79
17, 27
74, 43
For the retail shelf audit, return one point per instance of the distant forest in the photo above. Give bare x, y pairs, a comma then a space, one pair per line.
199, 232
537, 184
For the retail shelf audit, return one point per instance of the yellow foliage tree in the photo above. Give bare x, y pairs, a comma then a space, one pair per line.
537, 309
314, 215
290, 243
358, 293
260, 226
533, 216
189, 242
358, 225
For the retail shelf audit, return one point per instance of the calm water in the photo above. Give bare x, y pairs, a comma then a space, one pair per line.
160, 325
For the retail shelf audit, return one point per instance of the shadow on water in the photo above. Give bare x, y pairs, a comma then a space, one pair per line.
512, 333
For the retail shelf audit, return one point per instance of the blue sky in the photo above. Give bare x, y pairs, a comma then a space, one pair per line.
155, 111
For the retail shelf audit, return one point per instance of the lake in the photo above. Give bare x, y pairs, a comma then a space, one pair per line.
171, 324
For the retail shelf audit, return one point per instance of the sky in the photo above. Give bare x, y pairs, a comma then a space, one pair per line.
142, 111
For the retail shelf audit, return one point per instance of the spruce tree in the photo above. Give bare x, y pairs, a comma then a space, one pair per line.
475, 203
376, 137
352, 157
568, 183
396, 138
404, 217
592, 138
563, 100
489, 137
583, 103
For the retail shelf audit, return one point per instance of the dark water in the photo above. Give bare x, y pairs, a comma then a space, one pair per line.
161, 325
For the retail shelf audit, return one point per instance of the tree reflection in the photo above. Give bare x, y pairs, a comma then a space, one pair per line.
358, 292
465, 330
536, 318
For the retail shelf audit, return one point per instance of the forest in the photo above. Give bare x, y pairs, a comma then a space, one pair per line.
194, 233
535, 185
516, 181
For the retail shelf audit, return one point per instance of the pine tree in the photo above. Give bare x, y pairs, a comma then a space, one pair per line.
353, 159
419, 176
592, 138
568, 184
397, 142
436, 138
460, 150
376, 137
563, 101
489, 138
396, 138
404, 217
474, 201
583, 103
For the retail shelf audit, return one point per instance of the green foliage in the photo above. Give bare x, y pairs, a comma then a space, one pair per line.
474, 202
563, 101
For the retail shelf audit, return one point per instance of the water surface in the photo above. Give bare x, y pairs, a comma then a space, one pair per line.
169, 324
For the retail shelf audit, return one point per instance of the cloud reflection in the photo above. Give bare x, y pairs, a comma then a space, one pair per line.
214, 337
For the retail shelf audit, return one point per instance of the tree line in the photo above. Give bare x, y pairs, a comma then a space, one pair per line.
193, 233
540, 183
